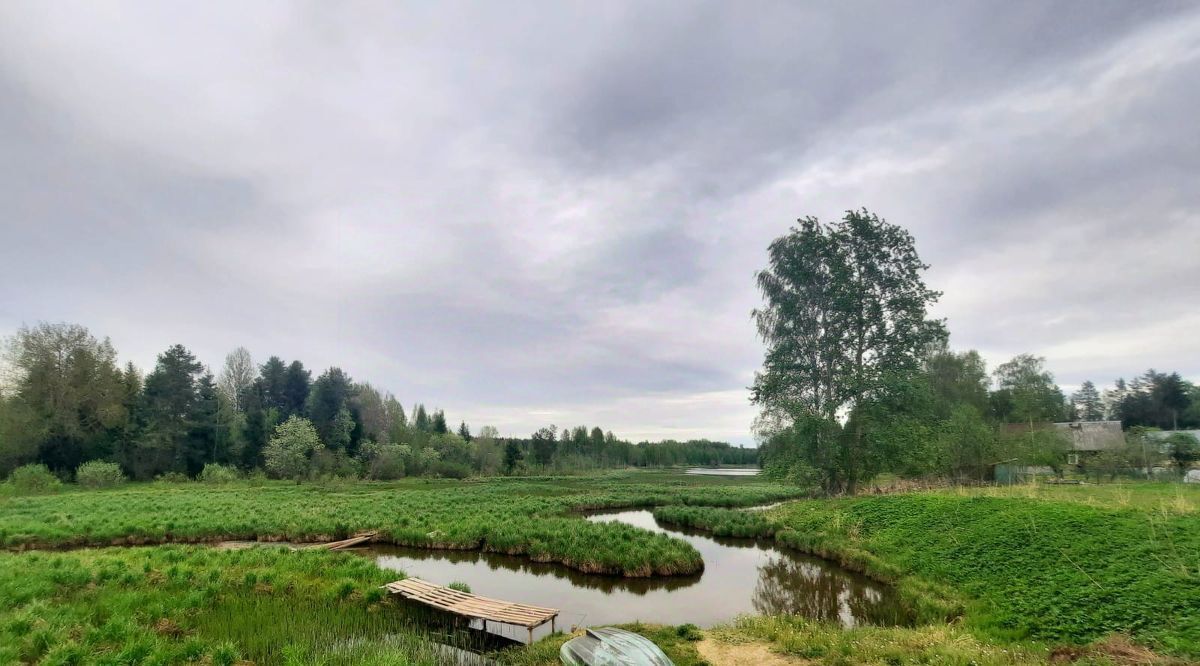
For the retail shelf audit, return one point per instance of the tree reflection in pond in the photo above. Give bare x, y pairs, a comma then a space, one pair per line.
793, 586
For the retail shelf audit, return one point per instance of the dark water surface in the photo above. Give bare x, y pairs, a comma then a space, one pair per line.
741, 576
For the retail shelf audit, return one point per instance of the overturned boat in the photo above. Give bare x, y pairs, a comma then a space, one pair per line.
607, 646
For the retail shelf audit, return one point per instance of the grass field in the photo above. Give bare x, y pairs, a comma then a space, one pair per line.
1055, 565
1003, 576
514, 516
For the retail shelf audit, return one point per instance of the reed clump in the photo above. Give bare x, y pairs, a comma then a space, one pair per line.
188, 604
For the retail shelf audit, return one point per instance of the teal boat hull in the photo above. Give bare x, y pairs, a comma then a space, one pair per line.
607, 646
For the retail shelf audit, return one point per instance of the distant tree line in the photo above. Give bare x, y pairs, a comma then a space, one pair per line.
858, 379
65, 401
579, 448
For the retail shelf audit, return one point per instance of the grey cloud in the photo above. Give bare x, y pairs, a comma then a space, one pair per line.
545, 208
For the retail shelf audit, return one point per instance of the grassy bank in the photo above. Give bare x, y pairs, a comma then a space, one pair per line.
721, 522
1055, 565
679, 645
177, 604
518, 517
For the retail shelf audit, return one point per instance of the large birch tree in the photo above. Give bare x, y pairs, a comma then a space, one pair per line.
846, 312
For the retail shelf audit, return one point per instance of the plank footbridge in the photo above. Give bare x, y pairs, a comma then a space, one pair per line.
474, 606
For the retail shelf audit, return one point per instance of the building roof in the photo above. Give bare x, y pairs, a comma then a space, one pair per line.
1093, 435
1163, 434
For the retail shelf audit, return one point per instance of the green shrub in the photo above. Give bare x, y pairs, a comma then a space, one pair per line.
688, 632
386, 462
450, 470
172, 477
32, 479
99, 474
288, 452
225, 654
460, 586
215, 473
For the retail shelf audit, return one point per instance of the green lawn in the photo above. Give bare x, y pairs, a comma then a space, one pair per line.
1055, 565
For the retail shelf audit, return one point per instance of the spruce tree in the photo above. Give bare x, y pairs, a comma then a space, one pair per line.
296, 387
170, 402
274, 375
421, 419
438, 423
1088, 406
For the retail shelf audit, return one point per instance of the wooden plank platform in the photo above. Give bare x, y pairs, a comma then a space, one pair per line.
473, 606
355, 540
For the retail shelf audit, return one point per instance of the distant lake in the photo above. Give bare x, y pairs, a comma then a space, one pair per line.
724, 471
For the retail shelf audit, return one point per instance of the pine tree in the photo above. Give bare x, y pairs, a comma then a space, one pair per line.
438, 423
205, 442
258, 430
464, 431
296, 385
1087, 402
330, 394
131, 400
543, 445
512, 455
1172, 396
273, 377
169, 404
597, 441
421, 419
1113, 398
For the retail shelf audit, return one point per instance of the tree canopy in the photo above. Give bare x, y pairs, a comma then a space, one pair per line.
846, 311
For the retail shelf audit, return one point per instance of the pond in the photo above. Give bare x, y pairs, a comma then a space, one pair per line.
741, 576
723, 471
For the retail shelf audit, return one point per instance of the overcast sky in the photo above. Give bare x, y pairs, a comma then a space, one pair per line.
533, 213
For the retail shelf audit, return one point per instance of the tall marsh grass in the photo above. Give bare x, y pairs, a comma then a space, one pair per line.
532, 518
177, 604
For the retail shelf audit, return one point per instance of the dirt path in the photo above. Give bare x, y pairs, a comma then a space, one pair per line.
743, 654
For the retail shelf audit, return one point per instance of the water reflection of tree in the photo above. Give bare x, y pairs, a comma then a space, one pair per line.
498, 561
817, 590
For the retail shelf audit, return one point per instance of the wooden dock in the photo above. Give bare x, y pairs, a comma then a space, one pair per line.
357, 539
474, 606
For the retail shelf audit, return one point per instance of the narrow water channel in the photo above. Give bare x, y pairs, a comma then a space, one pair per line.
741, 576
723, 471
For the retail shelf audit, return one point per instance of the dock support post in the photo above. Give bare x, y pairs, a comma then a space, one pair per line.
551, 625
531, 635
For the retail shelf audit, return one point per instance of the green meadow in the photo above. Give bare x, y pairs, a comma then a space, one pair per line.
1022, 575
537, 518
1020, 566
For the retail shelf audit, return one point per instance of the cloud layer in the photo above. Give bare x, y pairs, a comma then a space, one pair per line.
551, 213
